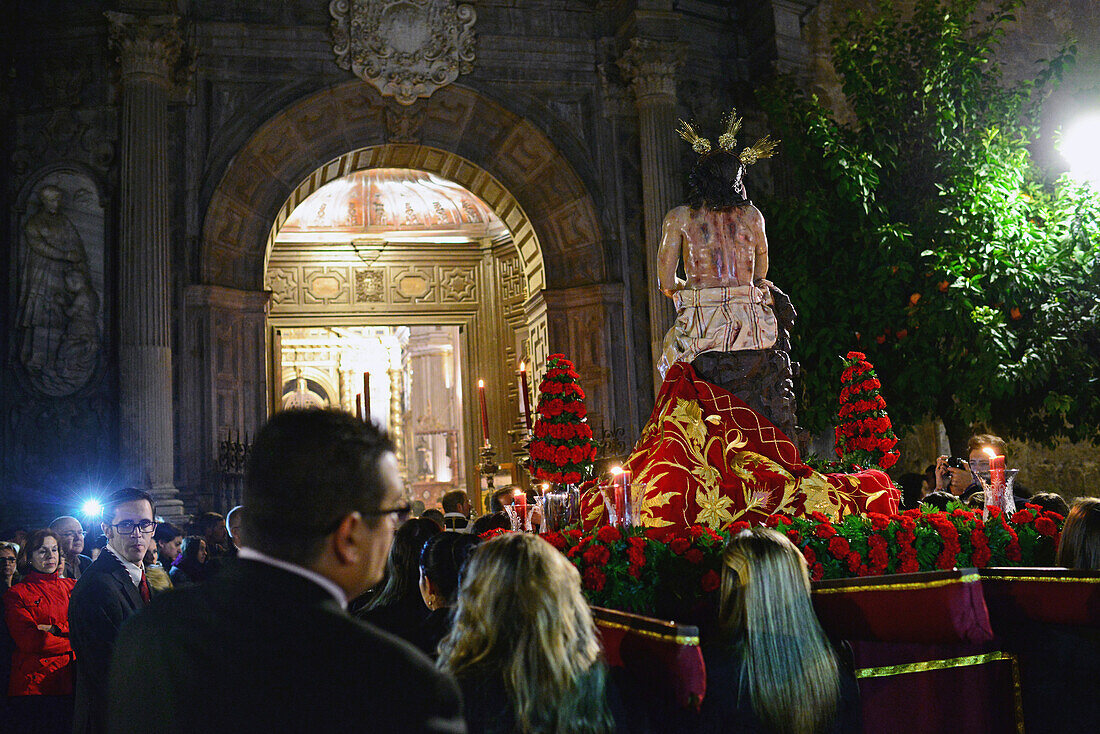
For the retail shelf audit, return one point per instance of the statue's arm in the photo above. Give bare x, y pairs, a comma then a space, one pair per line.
668, 254
760, 266
38, 244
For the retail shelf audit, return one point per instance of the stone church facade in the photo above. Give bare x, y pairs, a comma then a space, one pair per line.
182, 135
175, 139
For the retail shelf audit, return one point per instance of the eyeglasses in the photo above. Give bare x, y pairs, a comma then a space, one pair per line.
127, 527
403, 512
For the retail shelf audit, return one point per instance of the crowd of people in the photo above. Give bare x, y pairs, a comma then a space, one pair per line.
324, 604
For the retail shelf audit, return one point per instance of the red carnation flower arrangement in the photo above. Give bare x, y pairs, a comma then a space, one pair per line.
865, 437
563, 448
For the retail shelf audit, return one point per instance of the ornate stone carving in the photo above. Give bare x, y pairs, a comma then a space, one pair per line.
651, 67
148, 47
457, 285
405, 48
57, 320
370, 285
402, 123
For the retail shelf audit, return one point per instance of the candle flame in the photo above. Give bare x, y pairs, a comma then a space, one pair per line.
616, 470
989, 452
480, 384
522, 366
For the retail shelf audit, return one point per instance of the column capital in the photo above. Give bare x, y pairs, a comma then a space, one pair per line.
148, 46
650, 67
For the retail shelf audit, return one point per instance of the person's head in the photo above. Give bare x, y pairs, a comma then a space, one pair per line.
322, 491
492, 521
403, 564
502, 498
790, 668
1050, 502
99, 544
152, 558
940, 500
716, 181
71, 533
212, 527
520, 609
193, 550
233, 521
50, 196
15, 535
910, 484
441, 562
1079, 546
434, 515
129, 524
977, 445
9, 554
169, 540
43, 551
456, 501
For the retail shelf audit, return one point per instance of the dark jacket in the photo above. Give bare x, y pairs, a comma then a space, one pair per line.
257, 648
103, 598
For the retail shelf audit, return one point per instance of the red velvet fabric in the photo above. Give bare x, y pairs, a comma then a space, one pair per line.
1056, 596
705, 457
973, 699
937, 607
667, 666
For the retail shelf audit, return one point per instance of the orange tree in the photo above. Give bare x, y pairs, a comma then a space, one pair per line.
922, 234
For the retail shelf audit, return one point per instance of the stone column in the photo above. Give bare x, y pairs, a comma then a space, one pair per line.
651, 67
148, 48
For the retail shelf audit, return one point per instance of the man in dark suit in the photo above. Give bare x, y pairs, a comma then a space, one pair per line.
267, 645
108, 592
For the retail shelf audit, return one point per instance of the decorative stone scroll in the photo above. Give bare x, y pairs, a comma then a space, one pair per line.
405, 48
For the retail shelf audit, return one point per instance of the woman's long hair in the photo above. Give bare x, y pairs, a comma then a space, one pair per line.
443, 559
520, 611
403, 563
789, 668
1079, 546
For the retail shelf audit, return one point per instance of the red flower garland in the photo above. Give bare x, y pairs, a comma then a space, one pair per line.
865, 435
563, 448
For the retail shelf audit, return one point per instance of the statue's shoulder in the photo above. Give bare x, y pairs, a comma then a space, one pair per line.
680, 213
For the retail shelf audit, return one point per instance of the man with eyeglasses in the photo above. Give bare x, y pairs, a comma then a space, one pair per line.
71, 532
267, 644
109, 591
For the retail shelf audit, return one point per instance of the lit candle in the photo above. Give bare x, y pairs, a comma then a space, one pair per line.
996, 476
484, 413
519, 504
619, 493
526, 399
366, 396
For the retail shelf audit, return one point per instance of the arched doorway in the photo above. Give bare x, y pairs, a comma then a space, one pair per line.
399, 289
458, 135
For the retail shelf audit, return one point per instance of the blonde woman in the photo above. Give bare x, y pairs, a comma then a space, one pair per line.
773, 669
524, 647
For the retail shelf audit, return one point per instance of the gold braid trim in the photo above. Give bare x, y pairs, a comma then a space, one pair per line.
966, 578
688, 640
962, 662
1049, 579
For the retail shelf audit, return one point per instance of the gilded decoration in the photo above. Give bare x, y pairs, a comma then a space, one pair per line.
405, 48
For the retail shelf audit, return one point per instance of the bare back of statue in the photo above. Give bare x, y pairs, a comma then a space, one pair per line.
720, 248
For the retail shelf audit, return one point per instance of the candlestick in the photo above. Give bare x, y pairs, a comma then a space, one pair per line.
358, 406
487, 468
484, 413
997, 478
366, 396
526, 398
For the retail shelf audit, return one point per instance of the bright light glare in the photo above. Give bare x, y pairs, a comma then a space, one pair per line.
1081, 148
91, 508
616, 470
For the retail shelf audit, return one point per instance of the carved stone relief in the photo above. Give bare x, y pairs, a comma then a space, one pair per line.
60, 285
405, 48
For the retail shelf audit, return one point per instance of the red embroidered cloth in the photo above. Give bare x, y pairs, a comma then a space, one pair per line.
707, 458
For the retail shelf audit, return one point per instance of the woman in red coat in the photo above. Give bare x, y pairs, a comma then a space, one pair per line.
37, 613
